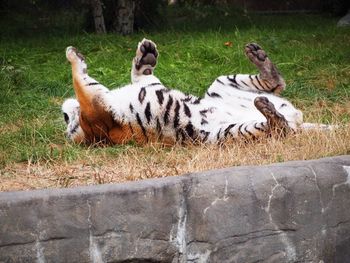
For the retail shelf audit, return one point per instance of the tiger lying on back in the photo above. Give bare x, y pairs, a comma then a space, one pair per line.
235, 106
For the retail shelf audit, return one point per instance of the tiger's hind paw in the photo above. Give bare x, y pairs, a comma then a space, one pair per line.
73, 55
256, 54
275, 120
146, 57
77, 61
268, 71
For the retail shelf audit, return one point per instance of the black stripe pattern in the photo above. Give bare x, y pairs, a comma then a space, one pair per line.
142, 94
160, 96
167, 109
148, 113
139, 122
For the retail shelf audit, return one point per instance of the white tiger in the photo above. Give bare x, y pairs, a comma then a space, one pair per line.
235, 106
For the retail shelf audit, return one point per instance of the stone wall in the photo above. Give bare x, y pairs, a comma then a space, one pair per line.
288, 212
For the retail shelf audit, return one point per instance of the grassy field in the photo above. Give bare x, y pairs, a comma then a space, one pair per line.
312, 54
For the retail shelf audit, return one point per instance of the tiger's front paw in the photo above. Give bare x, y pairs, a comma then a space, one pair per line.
146, 55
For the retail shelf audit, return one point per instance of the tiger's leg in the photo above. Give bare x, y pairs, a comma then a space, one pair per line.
144, 62
275, 124
276, 121
94, 120
269, 78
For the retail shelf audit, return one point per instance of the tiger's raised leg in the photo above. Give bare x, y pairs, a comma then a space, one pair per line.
268, 80
144, 62
94, 119
269, 77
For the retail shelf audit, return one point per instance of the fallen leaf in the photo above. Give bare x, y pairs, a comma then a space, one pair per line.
228, 44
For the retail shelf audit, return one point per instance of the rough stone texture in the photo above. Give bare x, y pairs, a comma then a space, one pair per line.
290, 212
344, 21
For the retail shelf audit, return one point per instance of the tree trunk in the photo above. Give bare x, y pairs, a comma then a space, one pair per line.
97, 13
124, 17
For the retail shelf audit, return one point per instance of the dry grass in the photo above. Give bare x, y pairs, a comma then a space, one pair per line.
153, 161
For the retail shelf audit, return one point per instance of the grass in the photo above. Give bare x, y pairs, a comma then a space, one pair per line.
35, 78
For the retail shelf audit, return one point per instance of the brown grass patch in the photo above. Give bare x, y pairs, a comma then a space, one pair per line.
153, 161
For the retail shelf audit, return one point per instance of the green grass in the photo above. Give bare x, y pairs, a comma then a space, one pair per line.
312, 54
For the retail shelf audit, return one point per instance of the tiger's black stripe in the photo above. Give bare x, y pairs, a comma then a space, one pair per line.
93, 83
142, 94
203, 113
245, 83
204, 121
283, 105
176, 114
218, 134
227, 130
234, 86
75, 128
214, 95
250, 134
257, 79
267, 85
160, 96
264, 125
187, 99
190, 130
240, 131
233, 80
131, 108
148, 113
139, 122
167, 109
153, 84
159, 129
220, 81
258, 128
187, 110
251, 80
197, 101
206, 134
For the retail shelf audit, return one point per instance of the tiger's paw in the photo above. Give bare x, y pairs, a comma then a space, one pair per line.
275, 120
268, 71
77, 61
146, 57
73, 55
256, 54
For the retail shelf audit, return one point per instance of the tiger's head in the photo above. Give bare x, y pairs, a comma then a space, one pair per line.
71, 112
